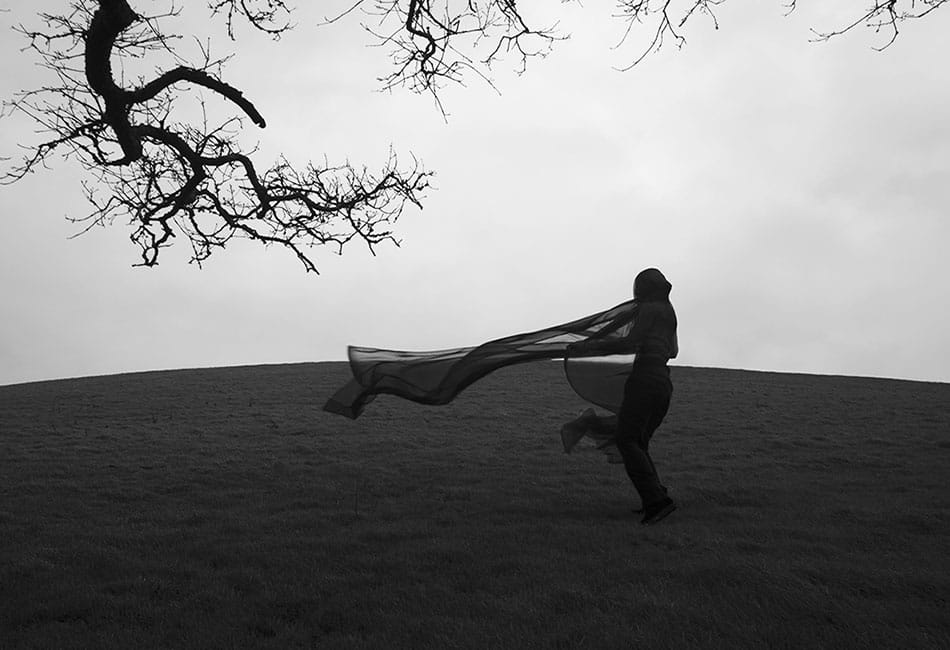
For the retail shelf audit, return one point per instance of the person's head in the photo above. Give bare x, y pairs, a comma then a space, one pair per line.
651, 285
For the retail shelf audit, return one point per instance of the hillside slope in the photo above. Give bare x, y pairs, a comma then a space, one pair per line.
223, 507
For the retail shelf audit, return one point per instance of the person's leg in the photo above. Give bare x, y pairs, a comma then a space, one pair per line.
661, 408
573, 431
599, 428
603, 431
658, 510
640, 408
602, 428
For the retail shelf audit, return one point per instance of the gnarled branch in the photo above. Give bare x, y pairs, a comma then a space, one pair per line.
171, 178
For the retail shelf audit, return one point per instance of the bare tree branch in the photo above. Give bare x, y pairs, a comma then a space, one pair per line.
659, 19
884, 16
427, 38
199, 78
268, 16
171, 178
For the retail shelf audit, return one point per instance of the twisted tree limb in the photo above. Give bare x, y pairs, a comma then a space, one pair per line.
171, 179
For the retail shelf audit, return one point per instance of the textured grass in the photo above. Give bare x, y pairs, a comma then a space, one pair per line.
223, 508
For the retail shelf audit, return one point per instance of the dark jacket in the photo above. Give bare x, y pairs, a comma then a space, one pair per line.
653, 333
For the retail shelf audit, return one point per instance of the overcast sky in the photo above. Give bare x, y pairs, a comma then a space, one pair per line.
794, 193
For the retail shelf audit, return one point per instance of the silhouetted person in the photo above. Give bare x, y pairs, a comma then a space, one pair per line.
647, 390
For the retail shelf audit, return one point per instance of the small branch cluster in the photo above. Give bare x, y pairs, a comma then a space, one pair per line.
663, 26
434, 42
170, 177
884, 17
197, 184
268, 16
667, 19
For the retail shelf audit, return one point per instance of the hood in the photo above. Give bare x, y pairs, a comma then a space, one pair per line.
651, 285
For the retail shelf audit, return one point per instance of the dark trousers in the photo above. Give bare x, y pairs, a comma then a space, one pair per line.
646, 400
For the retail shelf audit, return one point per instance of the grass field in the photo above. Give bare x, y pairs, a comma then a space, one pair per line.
223, 508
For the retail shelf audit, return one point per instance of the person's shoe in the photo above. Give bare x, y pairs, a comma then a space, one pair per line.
574, 430
658, 511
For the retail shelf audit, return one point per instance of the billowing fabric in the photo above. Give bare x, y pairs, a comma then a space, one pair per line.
599, 380
436, 377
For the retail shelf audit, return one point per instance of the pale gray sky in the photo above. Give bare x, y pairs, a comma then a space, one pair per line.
795, 194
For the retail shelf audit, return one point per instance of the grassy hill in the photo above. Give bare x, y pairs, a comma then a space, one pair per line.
223, 508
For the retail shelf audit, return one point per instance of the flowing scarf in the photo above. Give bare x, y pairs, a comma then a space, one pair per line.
436, 377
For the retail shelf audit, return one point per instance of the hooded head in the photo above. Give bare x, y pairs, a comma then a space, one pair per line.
650, 285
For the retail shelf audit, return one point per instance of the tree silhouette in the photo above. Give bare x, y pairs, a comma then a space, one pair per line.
171, 176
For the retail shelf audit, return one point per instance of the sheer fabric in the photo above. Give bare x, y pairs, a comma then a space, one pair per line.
436, 377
